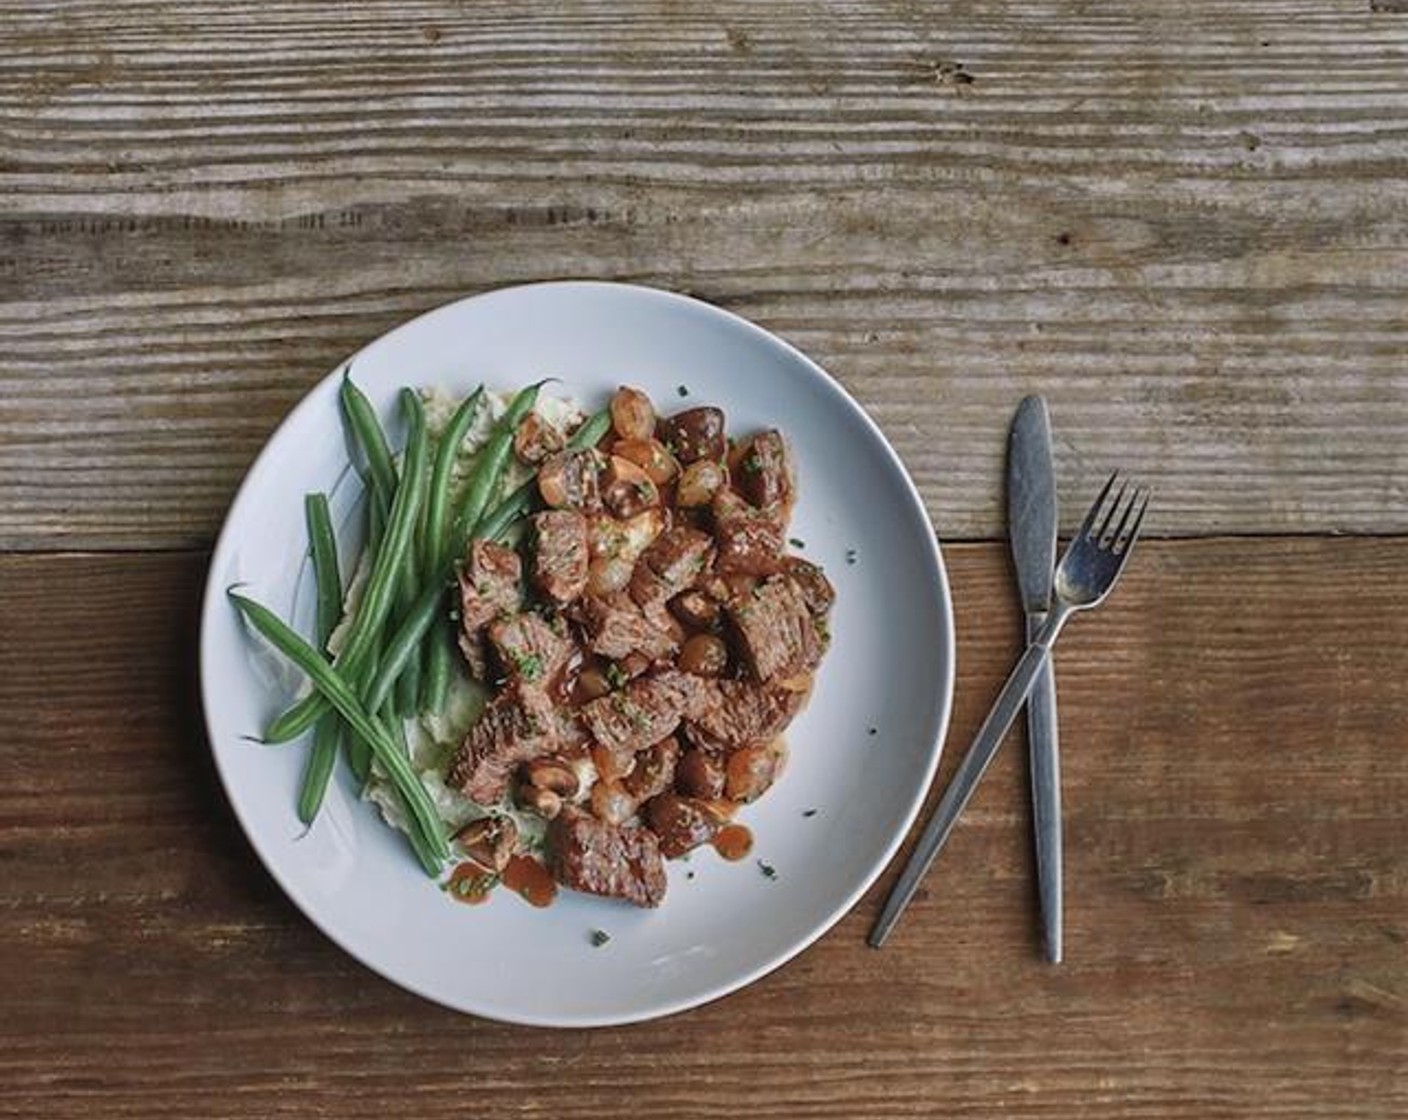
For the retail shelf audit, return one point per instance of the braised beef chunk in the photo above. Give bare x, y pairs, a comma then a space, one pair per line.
672, 563
692, 693
812, 582
738, 714
776, 633
568, 480
750, 540
617, 627
517, 725
573, 738
560, 556
615, 861
764, 473
529, 651
681, 823
645, 711
658, 614
488, 582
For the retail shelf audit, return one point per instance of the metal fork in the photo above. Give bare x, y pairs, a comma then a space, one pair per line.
1088, 570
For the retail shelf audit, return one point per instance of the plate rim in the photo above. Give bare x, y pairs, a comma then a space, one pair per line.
213, 598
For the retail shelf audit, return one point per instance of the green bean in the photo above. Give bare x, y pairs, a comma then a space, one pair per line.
497, 521
408, 683
317, 772
439, 663
437, 653
366, 429
406, 639
518, 503
368, 434
487, 472
376, 522
334, 687
378, 595
358, 755
359, 751
591, 431
407, 698
437, 502
381, 464
424, 850
396, 545
323, 546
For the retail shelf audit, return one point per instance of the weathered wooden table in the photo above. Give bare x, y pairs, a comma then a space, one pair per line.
1186, 223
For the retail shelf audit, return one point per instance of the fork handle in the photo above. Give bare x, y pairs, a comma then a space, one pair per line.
1044, 751
970, 772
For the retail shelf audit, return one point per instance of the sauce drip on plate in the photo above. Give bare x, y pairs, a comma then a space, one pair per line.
529, 879
733, 842
469, 883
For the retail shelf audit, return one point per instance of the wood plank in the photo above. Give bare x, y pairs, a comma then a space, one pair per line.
1184, 222
1237, 795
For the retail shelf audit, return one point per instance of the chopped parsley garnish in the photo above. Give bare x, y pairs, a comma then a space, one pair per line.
633, 713
615, 676
796, 542
808, 812
752, 464
529, 665
471, 886
599, 938
768, 870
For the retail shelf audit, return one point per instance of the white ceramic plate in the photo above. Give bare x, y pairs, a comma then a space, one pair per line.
890, 669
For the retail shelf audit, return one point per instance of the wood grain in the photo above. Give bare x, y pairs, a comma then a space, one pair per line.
1183, 222
1237, 798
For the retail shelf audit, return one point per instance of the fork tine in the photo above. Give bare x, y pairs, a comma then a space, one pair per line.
1084, 530
1115, 504
1138, 521
1124, 520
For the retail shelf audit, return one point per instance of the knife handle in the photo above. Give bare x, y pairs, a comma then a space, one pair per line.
1044, 750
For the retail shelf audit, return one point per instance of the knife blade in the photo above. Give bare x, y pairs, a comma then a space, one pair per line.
1031, 527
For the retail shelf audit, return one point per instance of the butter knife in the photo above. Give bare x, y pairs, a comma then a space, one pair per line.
1031, 527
